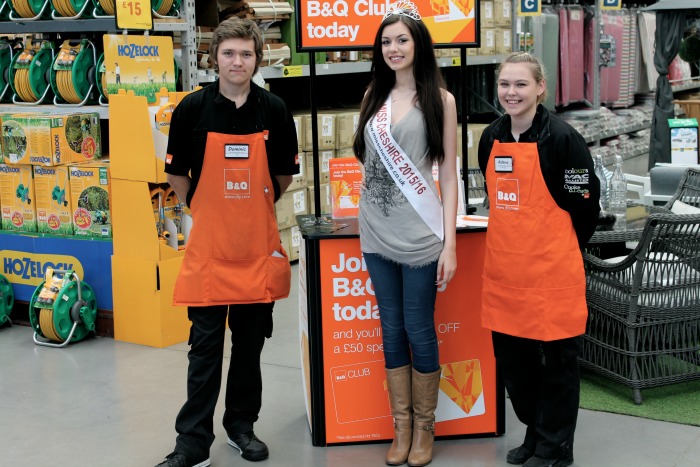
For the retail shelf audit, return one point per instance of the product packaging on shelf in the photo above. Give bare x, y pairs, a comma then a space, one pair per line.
51, 139
90, 199
53, 201
326, 131
290, 205
17, 198
323, 158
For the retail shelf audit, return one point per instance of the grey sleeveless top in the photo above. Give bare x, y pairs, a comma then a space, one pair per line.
389, 225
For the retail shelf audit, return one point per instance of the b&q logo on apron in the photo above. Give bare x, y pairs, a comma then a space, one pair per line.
236, 182
507, 194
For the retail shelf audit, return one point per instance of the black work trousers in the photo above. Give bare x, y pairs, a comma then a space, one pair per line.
250, 324
543, 382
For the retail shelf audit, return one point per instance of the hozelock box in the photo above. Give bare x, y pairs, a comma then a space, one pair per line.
684, 140
17, 198
326, 131
90, 199
49, 140
54, 213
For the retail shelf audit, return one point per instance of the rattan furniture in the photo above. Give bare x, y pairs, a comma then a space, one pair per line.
644, 308
688, 189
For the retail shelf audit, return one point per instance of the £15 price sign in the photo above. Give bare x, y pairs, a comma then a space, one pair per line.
134, 14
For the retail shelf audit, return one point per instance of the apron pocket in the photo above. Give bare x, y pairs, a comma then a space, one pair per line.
279, 276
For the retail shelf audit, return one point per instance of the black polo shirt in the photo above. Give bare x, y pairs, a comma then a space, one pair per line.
206, 110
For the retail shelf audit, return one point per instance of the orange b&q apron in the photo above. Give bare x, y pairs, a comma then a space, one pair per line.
534, 283
234, 254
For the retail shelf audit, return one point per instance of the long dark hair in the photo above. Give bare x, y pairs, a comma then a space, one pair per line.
429, 84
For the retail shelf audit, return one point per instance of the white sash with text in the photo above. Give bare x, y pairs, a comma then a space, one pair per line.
404, 172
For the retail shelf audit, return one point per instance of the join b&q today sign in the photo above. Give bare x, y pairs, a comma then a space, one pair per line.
338, 24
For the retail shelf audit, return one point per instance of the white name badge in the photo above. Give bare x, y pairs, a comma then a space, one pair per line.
503, 164
236, 151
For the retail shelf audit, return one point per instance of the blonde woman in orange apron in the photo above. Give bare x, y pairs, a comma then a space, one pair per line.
407, 122
232, 152
543, 197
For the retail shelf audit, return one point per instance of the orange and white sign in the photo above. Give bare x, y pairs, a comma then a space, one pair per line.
346, 185
355, 395
337, 24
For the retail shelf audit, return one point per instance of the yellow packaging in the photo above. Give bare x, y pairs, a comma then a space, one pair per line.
50, 140
17, 198
53, 202
90, 199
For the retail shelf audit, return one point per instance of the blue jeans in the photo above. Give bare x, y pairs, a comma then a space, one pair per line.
406, 299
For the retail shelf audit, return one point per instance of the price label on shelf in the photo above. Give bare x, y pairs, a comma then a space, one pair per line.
456, 61
292, 71
134, 14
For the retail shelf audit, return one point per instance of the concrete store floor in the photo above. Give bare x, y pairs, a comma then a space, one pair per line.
105, 403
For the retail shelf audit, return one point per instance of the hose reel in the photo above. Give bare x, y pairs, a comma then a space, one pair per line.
31, 73
7, 53
4, 10
73, 73
28, 10
62, 310
101, 79
166, 8
7, 300
103, 8
68, 9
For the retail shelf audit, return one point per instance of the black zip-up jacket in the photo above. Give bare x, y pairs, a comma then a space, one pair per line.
564, 158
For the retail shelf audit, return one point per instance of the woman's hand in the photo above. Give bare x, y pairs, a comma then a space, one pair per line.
447, 266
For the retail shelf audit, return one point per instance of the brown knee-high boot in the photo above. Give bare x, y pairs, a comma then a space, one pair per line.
398, 381
425, 388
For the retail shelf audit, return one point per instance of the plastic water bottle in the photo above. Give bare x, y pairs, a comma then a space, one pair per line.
618, 196
600, 173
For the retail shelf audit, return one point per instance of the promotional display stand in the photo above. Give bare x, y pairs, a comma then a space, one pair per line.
341, 345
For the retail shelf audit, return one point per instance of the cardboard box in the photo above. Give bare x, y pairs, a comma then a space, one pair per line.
325, 199
502, 13
289, 206
504, 44
345, 125
488, 42
326, 131
486, 14
684, 140
344, 152
294, 243
50, 140
53, 201
285, 240
17, 198
301, 132
90, 200
299, 180
474, 132
324, 157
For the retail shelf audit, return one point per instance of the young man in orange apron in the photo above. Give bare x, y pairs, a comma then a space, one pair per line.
543, 197
232, 152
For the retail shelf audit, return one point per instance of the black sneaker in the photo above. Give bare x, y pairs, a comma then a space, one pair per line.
252, 449
563, 461
176, 459
519, 455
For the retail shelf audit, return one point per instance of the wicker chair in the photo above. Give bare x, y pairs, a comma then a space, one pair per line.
688, 189
644, 309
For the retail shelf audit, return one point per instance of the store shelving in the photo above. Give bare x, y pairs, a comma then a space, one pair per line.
616, 132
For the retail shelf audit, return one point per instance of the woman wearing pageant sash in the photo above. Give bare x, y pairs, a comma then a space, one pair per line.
408, 121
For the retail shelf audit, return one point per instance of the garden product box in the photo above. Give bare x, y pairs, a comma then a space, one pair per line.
487, 14
323, 158
290, 205
54, 213
504, 43
502, 13
326, 131
684, 140
299, 180
48, 140
17, 198
90, 199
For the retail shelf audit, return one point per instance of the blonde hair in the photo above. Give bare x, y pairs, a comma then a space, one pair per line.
535, 66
